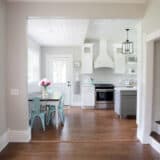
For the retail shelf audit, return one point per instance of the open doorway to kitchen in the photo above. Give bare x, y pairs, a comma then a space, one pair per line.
82, 60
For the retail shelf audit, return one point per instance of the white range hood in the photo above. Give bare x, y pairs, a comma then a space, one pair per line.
103, 60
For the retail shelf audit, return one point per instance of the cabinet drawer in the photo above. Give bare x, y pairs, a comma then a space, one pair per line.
128, 93
129, 105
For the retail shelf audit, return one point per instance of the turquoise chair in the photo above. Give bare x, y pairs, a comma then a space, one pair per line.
52, 110
36, 112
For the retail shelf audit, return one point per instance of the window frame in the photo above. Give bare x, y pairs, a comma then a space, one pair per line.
35, 62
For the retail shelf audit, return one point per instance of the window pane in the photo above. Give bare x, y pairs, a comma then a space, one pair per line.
59, 71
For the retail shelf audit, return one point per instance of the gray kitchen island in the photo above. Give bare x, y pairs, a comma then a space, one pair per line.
125, 101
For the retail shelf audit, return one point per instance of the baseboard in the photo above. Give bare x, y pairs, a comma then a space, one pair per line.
157, 128
87, 107
143, 139
76, 104
3, 140
155, 144
19, 136
139, 135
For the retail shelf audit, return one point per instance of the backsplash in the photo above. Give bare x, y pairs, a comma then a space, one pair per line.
105, 75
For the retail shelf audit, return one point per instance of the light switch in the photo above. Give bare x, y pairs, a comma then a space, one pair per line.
14, 92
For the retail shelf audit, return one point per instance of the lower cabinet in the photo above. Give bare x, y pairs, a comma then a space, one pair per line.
88, 97
125, 103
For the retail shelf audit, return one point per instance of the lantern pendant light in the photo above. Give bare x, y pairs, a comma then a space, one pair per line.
127, 46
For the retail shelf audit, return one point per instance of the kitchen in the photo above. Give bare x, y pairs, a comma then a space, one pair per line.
85, 62
109, 77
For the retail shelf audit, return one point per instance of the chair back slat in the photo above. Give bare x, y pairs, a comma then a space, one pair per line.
36, 105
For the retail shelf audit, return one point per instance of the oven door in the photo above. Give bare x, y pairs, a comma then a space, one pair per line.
104, 98
104, 95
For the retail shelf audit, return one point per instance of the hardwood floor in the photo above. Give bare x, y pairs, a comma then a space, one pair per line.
87, 135
88, 126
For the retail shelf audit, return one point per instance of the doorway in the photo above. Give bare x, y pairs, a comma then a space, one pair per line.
59, 70
60, 62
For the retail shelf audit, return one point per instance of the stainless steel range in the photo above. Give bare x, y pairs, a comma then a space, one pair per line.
104, 96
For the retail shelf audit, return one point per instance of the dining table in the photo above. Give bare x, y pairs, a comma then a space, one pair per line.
51, 99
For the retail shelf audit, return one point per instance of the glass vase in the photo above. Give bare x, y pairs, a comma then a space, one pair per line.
44, 92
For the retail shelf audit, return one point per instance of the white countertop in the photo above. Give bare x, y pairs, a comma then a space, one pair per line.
126, 88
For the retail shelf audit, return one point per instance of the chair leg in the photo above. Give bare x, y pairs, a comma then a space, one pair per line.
62, 117
48, 118
32, 120
42, 117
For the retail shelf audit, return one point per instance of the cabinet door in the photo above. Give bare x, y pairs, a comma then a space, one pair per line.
117, 102
87, 59
129, 103
88, 96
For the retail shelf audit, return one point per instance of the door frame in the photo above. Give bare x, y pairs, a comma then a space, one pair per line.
70, 56
148, 83
62, 55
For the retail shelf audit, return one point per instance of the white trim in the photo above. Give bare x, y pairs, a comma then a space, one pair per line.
140, 136
150, 40
155, 144
3, 140
153, 36
147, 88
19, 136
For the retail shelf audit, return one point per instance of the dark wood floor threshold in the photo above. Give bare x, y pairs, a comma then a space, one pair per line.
158, 122
155, 135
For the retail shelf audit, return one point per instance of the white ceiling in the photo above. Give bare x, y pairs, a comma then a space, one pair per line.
58, 32
112, 30
75, 1
74, 32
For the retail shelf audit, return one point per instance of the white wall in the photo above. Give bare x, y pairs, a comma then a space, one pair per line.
151, 21
32, 44
3, 107
17, 44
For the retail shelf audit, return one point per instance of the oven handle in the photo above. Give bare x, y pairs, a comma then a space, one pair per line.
104, 90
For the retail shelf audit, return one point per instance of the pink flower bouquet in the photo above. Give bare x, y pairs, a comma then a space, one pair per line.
45, 83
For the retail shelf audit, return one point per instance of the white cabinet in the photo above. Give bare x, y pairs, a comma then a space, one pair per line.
120, 60
88, 96
87, 59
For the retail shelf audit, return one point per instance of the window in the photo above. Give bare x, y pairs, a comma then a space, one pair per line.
33, 65
59, 71
58, 68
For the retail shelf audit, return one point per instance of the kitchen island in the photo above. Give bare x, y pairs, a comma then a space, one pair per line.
125, 101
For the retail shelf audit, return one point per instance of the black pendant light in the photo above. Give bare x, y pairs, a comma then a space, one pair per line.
127, 46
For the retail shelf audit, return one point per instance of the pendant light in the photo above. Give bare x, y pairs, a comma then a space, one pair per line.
127, 46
